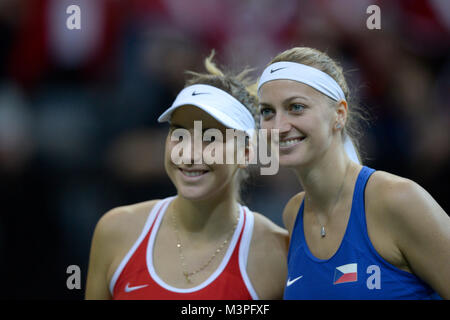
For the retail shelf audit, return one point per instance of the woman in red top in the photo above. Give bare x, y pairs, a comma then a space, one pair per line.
201, 243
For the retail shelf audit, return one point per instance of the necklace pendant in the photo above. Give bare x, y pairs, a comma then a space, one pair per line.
322, 232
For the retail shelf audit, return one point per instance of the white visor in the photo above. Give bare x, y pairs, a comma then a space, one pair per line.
217, 103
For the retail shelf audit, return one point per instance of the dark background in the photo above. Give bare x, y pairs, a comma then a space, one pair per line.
78, 108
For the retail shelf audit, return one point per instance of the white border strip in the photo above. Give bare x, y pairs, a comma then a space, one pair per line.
148, 223
211, 278
244, 249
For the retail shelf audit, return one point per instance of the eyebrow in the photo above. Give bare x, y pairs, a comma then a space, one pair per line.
287, 100
178, 126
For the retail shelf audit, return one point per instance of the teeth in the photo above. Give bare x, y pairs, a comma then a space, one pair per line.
290, 142
193, 173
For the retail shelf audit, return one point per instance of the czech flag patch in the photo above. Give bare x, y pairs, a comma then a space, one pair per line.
346, 273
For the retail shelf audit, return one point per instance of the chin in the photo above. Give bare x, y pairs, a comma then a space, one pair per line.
194, 193
291, 161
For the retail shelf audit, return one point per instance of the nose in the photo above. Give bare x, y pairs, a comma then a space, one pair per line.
195, 156
197, 151
282, 123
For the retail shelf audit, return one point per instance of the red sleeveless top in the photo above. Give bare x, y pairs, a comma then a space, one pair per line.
136, 278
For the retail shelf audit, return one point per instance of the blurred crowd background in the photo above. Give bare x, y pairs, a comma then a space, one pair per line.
78, 108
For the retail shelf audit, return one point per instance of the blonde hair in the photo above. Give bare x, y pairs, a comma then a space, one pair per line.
321, 61
235, 85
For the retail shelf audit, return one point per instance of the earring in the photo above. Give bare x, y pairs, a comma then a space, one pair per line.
338, 125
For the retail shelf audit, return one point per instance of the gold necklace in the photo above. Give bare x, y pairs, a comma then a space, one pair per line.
187, 274
322, 227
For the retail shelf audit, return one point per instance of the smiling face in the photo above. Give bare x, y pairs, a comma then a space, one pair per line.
198, 181
304, 116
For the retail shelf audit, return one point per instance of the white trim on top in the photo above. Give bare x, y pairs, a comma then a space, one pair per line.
148, 223
211, 278
244, 249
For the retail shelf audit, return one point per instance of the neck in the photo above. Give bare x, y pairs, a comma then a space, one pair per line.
324, 180
205, 217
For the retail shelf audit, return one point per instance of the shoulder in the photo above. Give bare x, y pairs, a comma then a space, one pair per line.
264, 228
267, 257
123, 214
416, 223
399, 197
118, 229
118, 222
403, 203
291, 209
406, 212
114, 234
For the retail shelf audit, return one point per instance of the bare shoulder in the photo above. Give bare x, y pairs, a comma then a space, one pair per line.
267, 234
291, 209
267, 266
122, 222
399, 204
399, 197
386, 182
417, 225
118, 229
114, 234
264, 227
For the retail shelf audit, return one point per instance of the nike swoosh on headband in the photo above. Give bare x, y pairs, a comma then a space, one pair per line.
275, 70
316, 79
219, 104
197, 93
308, 75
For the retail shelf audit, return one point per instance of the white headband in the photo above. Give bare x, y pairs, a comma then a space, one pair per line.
305, 74
217, 103
315, 78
